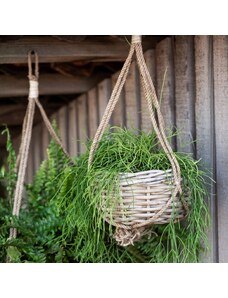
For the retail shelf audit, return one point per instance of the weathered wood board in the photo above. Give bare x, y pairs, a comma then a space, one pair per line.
73, 128
205, 137
220, 58
185, 92
82, 122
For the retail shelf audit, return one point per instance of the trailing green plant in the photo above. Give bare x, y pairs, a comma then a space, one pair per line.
62, 219
80, 195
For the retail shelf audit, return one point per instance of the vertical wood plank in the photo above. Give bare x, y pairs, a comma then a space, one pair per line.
63, 129
104, 93
132, 99
82, 122
204, 113
55, 118
220, 50
146, 124
30, 168
185, 92
73, 136
45, 140
166, 82
16, 144
119, 113
36, 146
92, 112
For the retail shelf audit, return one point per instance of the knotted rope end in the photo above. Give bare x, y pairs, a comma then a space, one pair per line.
33, 88
136, 39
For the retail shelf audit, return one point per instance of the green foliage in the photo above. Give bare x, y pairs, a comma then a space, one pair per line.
62, 219
92, 239
39, 222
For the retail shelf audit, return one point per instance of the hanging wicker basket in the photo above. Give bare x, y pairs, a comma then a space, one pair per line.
149, 197
142, 196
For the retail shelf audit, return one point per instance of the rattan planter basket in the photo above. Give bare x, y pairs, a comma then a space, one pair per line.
142, 196
145, 198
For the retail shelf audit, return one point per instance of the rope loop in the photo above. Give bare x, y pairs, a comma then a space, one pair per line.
157, 123
31, 76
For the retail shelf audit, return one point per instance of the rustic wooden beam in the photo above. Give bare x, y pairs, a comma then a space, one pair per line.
50, 84
51, 49
16, 116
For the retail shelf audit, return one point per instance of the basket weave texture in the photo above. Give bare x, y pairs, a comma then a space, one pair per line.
142, 196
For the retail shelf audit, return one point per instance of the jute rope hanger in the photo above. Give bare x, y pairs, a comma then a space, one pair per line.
22, 158
158, 125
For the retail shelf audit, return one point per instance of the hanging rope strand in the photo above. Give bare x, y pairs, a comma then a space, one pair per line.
158, 125
50, 128
111, 105
25, 140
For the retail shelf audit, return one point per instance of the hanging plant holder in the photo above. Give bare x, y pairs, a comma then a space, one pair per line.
149, 197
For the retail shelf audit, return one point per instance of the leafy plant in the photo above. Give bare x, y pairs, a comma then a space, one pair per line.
39, 222
62, 220
81, 197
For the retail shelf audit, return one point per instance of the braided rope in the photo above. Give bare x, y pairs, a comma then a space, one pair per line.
158, 125
22, 158
50, 128
25, 144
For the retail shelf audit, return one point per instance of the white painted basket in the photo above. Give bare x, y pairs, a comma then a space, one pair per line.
142, 196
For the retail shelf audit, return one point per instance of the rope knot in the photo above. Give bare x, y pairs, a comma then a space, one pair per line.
33, 89
136, 39
126, 237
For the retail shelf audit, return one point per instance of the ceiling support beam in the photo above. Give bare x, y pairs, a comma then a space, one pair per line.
49, 84
50, 49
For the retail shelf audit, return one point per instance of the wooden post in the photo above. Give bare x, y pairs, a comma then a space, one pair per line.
205, 137
93, 112
166, 83
36, 146
132, 99
30, 167
73, 135
82, 122
104, 93
146, 124
220, 56
185, 92
119, 113
45, 140
63, 126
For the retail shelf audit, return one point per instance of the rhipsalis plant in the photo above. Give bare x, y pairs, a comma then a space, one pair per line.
80, 196
62, 220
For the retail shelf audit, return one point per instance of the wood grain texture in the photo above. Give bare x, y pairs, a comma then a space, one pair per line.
63, 126
55, 50
119, 113
45, 140
104, 93
204, 113
93, 112
185, 92
132, 99
165, 80
36, 144
30, 168
220, 56
146, 124
49, 84
82, 122
73, 132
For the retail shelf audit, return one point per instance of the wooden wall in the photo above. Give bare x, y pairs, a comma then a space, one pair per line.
195, 100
